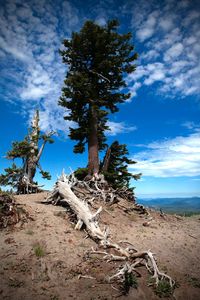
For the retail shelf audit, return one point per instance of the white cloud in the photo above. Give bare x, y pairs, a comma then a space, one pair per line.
34, 93
147, 29
171, 38
166, 23
173, 52
30, 36
145, 33
133, 90
53, 120
151, 54
121, 127
191, 125
170, 158
157, 75
191, 17
100, 20
17, 53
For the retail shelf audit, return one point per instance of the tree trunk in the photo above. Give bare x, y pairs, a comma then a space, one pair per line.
31, 164
106, 160
93, 147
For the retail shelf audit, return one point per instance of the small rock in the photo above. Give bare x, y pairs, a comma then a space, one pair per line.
146, 224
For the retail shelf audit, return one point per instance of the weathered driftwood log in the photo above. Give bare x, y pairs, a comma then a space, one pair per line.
63, 193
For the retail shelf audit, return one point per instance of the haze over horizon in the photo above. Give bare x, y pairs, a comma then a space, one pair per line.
160, 123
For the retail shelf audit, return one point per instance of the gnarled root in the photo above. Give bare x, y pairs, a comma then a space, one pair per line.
98, 188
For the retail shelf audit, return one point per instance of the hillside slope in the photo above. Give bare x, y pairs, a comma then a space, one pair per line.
43, 258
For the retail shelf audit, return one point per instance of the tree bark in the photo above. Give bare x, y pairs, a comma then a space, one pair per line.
32, 160
93, 147
30, 164
106, 160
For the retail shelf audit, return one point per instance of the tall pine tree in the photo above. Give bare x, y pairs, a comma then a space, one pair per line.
98, 58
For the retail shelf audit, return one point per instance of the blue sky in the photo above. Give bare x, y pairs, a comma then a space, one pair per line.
160, 123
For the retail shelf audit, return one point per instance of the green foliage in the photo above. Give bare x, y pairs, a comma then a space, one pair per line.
30, 232
117, 173
39, 250
195, 282
98, 57
11, 176
45, 175
47, 138
130, 281
19, 149
163, 289
81, 173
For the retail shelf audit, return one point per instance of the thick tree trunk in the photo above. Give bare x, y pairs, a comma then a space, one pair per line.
93, 147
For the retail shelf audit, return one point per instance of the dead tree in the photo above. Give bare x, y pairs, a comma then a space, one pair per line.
31, 162
22, 178
63, 193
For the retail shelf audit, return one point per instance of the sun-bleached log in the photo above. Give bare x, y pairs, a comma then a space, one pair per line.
63, 193
80, 207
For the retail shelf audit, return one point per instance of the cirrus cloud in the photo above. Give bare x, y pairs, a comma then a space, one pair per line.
175, 157
170, 34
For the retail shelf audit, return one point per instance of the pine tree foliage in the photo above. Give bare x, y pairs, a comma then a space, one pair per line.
11, 176
19, 149
98, 58
117, 173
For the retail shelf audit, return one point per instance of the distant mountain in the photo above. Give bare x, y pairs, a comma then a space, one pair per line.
174, 205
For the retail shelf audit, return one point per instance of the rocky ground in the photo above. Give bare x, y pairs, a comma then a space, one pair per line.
44, 258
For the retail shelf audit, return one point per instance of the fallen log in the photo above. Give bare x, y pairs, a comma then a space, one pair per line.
63, 193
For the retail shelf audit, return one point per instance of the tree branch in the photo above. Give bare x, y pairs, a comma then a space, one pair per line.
100, 75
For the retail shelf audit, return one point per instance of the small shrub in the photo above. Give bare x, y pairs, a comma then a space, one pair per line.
150, 281
39, 250
163, 289
81, 173
29, 232
130, 281
195, 282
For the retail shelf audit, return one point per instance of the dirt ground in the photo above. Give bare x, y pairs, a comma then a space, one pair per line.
44, 258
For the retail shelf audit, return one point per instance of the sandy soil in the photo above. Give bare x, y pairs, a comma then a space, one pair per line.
54, 276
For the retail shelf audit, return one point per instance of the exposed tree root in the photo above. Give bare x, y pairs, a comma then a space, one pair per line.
26, 187
97, 188
63, 193
11, 213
